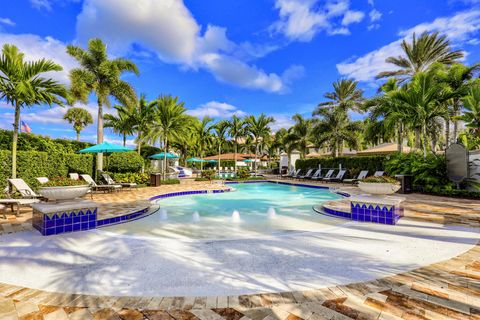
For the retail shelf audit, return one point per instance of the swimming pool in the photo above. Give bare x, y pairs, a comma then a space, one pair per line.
252, 210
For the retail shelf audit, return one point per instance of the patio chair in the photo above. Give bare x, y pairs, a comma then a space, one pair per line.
338, 177
327, 175
295, 174
362, 175
307, 175
22, 187
97, 187
289, 174
112, 182
26, 200
42, 180
316, 174
74, 176
378, 173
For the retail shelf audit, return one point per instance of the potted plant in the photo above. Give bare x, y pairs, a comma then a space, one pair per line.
379, 185
63, 189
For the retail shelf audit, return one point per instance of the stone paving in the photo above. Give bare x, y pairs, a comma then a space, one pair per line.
445, 290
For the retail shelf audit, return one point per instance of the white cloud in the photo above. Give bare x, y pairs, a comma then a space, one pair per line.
375, 15
168, 28
352, 17
459, 28
301, 20
41, 4
215, 109
35, 47
7, 21
281, 121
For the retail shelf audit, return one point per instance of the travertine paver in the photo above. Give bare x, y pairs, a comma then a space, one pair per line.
444, 290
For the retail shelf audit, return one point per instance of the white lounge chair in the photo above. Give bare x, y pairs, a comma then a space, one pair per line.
42, 180
22, 187
378, 173
327, 175
362, 175
307, 175
95, 186
74, 176
296, 174
316, 174
338, 177
112, 182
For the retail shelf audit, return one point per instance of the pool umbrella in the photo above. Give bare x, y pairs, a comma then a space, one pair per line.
161, 155
248, 160
212, 161
195, 160
105, 147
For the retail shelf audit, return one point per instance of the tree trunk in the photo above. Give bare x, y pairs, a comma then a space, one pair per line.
418, 138
219, 151
139, 143
100, 135
456, 107
400, 138
336, 149
447, 132
165, 159
78, 135
15, 140
424, 142
255, 163
235, 156
124, 140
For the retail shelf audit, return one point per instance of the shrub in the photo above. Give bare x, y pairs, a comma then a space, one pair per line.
63, 182
353, 165
170, 181
125, 162
243, 173
202, 179
382, 179
131, 177
209, 174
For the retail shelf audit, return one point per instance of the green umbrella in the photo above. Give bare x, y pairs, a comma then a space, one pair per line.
161, 155
105, 147
195, 160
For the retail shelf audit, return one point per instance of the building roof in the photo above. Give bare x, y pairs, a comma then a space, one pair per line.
384, 148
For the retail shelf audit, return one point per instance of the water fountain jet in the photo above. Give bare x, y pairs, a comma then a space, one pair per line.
196, 216
163, 214
236, 216
271, 213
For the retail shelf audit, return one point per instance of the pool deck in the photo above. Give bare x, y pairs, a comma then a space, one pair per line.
444, 290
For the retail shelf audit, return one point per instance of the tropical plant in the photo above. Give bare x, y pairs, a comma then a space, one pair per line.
123, 122
299, 136
220, 129
101, 76
203, 133
169, 122
236, 130
80, 118
142, 117
345, 96
471, 114
22, 85
420, 54
259, 129
334, 129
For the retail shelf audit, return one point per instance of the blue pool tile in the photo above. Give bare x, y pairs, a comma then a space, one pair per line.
68, 228
58, 230
92, 224
59, 222
76, 219
49, 231
76, 227
84, 225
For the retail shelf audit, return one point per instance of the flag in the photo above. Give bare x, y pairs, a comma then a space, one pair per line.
25, 128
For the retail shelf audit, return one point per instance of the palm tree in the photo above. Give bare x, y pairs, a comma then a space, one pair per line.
142, 117
101, 76
236, 130
420, 55
80, 118
345, 96
471, 114
123, 123
334, 129
300, 134
258, 128
423, 103
22, 85
221, 129
169, 122
204, 137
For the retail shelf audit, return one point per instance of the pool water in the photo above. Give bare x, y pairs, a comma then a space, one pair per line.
260, 209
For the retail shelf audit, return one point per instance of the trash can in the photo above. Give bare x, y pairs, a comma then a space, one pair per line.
155, 179
406, 182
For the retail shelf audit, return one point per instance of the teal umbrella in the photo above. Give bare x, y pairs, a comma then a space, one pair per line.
248, 160
195, 160
161, 155
212, 161
105, 147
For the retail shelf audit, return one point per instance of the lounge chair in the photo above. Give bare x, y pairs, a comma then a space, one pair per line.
296, 174
362, 175
97, 187
338, 177
316, 174
74, 176
28, 195
289, 174
42, 180
378, 173
22, 187
307, 175
327, 175
112, 182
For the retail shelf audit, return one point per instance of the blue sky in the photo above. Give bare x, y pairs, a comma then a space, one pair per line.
231, 57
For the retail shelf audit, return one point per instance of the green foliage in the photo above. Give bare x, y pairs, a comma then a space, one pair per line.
147, 151
202, 179
131, 177
125, 162
63, 182
429, 174
381, 179
171, 181
209, 174
353, 165
243, 173
33, 164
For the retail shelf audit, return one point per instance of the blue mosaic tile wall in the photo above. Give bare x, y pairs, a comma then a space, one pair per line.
375, 213
64, 222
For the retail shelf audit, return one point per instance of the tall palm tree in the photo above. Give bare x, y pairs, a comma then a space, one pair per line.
471, 114
221, 129
123, 123
423, 103
334, 129
258, 128
142, 116
101, 76
345, 95
236, 130
420, 54
300, 134
169, 122
22, 85
80, 118
203, 133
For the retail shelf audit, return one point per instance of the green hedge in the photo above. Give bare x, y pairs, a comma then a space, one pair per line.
353, 165
33, 164
125, 162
